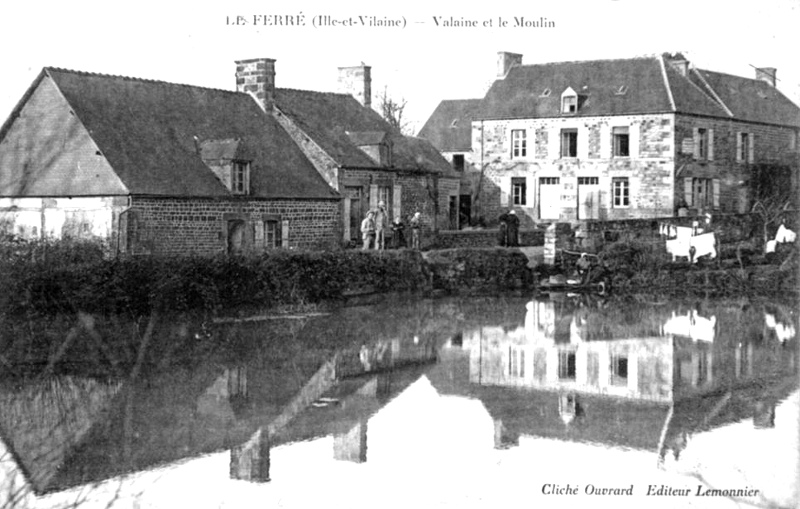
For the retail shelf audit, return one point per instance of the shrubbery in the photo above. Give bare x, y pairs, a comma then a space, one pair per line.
82, 280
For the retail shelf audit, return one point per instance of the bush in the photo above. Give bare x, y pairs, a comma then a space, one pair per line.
139, 284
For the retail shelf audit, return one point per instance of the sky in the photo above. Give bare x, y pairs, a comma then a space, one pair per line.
197, 42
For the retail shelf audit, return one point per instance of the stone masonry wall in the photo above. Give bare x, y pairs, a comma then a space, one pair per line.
177, 226
772, 145
649, 167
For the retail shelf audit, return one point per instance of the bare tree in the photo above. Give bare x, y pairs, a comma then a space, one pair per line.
392, 111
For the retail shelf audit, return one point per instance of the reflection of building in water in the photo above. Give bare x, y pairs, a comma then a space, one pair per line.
578, 349
578, 372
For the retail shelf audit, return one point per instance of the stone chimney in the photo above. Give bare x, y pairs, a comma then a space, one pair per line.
678, 62
505, 61
357, 81
257, 77
768, 74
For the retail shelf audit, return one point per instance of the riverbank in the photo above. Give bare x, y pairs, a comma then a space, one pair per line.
62, 280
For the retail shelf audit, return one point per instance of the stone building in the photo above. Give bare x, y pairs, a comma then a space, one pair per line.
356, 151
626, 138
154, 167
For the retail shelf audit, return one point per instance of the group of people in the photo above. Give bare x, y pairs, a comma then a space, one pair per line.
509, 229
373, 229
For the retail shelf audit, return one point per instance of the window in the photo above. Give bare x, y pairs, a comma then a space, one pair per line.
588, 181
620, 191
744, 148
566, 365
516, 362
385, 196
569, 143
569, 102
619, 369
519, 142
702, 193
518, 190
621, 138
240, 177
458, 162
271, 234
703, 144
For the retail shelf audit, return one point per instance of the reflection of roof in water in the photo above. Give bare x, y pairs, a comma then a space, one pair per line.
42, 422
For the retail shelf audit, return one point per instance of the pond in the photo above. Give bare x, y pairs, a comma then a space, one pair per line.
553, 401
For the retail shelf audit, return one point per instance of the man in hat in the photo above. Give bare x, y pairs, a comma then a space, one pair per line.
512, 222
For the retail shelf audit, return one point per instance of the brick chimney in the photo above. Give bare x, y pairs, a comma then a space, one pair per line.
357, 81
678, 62
257, 77
505, 61
768, 74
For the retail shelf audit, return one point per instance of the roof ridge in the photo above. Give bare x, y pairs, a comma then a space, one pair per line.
639, 57
135, 79
288, 89
713, 92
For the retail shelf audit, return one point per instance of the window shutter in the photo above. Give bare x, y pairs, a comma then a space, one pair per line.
346, 217
751, 148
554, 148
710, 144
373, 196
605, 141
633, 140
715, 186
696, 137
258, 235
397, 196
738, 147
505, 188
687, 191
285, 233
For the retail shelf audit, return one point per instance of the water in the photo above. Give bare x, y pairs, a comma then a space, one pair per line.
476, 402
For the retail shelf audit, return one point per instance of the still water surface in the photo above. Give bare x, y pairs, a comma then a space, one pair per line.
477, 402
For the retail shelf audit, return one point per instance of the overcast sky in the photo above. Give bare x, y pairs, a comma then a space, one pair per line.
190, 42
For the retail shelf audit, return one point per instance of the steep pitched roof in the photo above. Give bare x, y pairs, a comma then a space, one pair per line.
150, 132
752, 100
604, 87
327, 118
449, 127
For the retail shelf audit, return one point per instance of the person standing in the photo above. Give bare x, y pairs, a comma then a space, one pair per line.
512, 229
502, 235
416, 224
380, 225
368, 230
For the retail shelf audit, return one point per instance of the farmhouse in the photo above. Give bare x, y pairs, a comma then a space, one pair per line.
619, 139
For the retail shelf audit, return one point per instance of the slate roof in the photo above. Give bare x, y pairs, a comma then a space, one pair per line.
328, 117
449, 128
752, 100
532, 91
639, 85
149, 132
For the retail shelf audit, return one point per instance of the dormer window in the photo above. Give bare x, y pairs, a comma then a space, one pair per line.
569, 101
240, 177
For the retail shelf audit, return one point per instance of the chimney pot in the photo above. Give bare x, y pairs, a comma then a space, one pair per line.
256, 77
505, 61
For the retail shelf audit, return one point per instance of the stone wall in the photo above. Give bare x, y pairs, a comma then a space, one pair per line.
484, 238
772, 145
648, 168
177, 226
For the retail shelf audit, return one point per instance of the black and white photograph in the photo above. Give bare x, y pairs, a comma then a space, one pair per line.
400, 255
